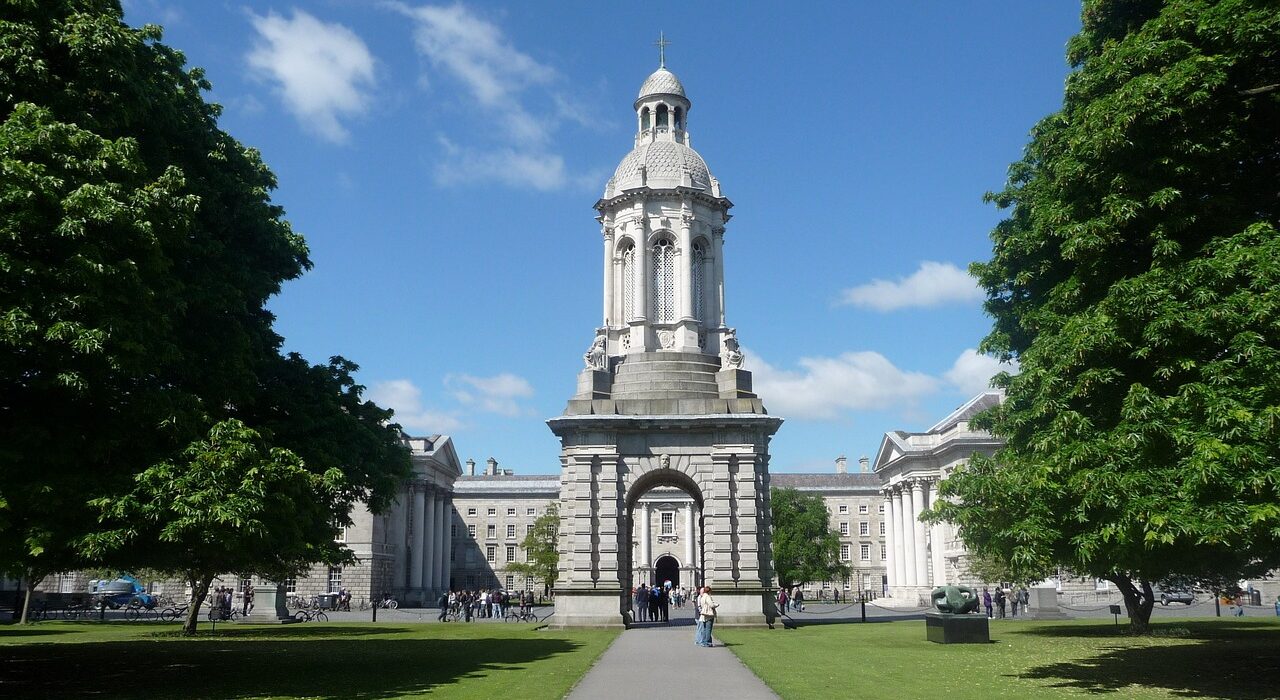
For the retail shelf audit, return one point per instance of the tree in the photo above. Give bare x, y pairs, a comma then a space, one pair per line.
228, 503
804, 547
542, 549
138, 247
1137, 282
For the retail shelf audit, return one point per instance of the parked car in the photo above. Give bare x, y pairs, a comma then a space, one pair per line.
1184, 596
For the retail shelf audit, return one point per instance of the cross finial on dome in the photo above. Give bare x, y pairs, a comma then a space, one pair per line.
662, 45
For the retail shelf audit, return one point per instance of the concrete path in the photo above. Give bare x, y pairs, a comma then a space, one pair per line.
644, 663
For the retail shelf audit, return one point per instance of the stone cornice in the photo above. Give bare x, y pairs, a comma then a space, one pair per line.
630, 196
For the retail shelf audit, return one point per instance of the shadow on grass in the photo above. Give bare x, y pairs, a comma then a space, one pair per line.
29, 631
357, 667
1240, 662
291, 631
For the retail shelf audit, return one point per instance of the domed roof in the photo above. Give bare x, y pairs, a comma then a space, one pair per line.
661, 82
665, 163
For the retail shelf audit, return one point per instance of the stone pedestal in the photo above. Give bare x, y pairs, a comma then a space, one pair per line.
946, 628
1044, 604
269, 605
593, 384
734, 384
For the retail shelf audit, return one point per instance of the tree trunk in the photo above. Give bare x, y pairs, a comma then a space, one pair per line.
1138, 602
199, 591
26, 600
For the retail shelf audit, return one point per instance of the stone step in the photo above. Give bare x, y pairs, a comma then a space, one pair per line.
659, 376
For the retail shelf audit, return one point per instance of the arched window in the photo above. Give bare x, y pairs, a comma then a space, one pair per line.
699, 286
664, 281
629, 283
662, 116
679, 115
644, 119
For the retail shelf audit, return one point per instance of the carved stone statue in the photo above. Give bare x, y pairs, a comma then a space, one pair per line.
956, 600
731, 356
595, 357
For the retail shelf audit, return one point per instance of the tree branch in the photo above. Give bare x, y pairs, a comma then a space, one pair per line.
1260, 90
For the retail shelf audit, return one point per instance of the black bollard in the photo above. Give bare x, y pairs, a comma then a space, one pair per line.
864, 610
375, 611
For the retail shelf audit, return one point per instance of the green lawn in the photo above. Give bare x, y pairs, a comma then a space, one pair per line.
1237, 658
312, 660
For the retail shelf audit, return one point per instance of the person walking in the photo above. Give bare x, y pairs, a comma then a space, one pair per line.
783, 600
797, 598
1013, 602
642, 603
664, 604
248, 599
655, 594
986, 601
443, 602
707, 610
1000, 600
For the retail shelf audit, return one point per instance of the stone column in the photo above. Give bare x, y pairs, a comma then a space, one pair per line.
646, 558
417, 524
442, 543
429, 553
607, 233
717, 236
686, 265
688, 537
908, 538
937, 543
922, 552
889, 542
448, 542
640, 331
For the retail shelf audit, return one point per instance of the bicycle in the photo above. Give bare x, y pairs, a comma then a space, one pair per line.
173, 613
521, 615
388, 603
223, 615
135, 613
305, 615
77, 610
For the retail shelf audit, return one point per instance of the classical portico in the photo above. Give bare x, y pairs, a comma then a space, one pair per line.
427, 520
663, 401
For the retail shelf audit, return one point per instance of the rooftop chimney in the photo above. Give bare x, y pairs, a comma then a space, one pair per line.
492, 470
864, 464
841, 461
471, 467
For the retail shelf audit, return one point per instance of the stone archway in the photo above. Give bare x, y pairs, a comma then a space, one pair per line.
665, 569
609, 461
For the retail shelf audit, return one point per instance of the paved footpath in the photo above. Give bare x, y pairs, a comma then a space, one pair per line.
680, 669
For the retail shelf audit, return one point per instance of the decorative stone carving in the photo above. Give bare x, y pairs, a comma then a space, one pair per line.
595, 357
666, 339
731, 356
665, 461
626, 341
702, 340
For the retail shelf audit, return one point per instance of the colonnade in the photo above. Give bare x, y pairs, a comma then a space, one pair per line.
428, 526
643, 567
911, 545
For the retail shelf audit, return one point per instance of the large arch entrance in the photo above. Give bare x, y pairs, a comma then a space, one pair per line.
666, 572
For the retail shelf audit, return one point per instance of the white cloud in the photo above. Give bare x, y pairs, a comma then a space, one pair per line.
933, 284
826, 387
514, 96
972, 372
497, 394
323, 71
402, 396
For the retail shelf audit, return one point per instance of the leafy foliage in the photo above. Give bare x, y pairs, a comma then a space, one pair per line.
138, 247
804, 546
542, 549
1137, 281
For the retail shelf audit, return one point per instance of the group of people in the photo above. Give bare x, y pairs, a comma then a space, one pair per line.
222, 598
653, 604
343, 601
1014, 597
489, 603
792, 599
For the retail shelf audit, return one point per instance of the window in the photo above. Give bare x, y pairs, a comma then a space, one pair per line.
1101, 584
699, 264
864, 528
246, 582
493, 512
471, 511
342, 534
511, 511
530, 511
844, 528
844, 552
844, 509
452, 551
291, 585
629, 309
881, 511
862, 510
511, 582
528, 529
335, 579
864, 552
644, 119
884, 553
491, 532
668, 523
511, 553
490, 552
846, 584
471, 530
453, 530
882, 528
662, 117
511, 531
664, 282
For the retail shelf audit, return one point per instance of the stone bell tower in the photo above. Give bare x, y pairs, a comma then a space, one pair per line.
663, 399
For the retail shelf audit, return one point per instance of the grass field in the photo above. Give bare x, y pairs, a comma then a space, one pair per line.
1237, 658
353, 660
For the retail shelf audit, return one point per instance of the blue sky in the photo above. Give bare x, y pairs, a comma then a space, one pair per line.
442, 162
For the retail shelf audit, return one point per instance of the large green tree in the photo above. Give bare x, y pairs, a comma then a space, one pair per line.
805, 548
542, 550
1137, 282
138, 247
